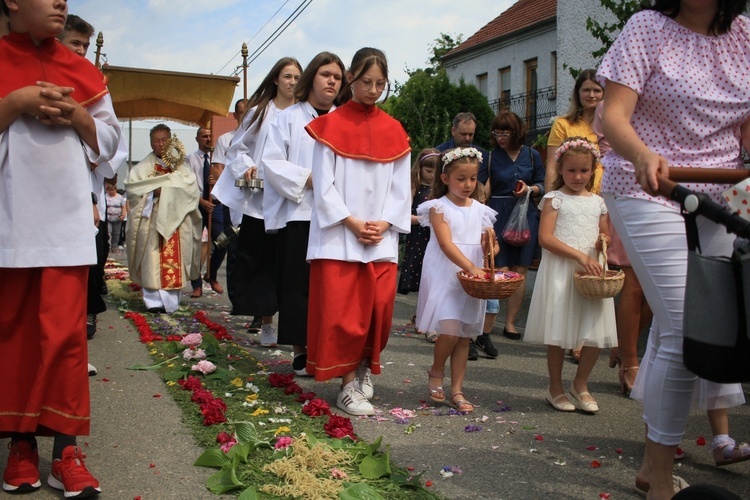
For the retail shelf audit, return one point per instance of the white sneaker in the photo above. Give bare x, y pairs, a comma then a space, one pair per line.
268, 336
92, 370
364, 379
352, 401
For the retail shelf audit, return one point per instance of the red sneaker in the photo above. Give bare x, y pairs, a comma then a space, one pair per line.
70, 475
22, 472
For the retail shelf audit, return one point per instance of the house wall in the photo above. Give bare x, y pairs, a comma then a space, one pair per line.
575, 44
513, 52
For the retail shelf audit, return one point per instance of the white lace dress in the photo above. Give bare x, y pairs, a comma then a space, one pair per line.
558, 314
443, 306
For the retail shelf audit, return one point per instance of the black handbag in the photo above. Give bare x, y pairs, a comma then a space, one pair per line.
716, 344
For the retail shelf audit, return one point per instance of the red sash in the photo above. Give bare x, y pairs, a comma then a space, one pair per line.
171, 263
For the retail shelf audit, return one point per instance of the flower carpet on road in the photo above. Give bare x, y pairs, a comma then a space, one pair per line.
265, 436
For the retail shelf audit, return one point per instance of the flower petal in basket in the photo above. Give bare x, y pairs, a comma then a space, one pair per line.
499, 285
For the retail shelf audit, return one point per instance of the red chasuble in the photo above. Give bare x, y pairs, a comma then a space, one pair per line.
22, 64
361, 132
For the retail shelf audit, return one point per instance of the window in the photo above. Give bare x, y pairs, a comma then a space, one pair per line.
504, 87
532, 85
482, 84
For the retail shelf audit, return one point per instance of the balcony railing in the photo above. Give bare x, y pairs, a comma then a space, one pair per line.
537, 109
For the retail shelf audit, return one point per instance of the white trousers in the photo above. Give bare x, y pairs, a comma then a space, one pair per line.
654, 239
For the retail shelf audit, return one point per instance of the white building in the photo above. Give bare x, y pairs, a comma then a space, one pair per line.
519, 59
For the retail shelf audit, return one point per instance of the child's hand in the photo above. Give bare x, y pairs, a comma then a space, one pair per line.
59, 107
475, 271
590, 265
368, 233
602, 237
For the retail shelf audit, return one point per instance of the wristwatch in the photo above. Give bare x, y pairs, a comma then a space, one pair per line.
94, 199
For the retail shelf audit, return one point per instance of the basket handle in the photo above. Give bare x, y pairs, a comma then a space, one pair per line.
603, 252
489, 257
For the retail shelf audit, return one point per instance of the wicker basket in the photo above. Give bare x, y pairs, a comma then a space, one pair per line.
484, 288
605, 286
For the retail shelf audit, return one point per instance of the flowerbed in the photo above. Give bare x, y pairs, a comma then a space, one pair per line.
263, 433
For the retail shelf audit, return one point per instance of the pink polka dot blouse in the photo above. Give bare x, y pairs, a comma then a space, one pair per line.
693, 96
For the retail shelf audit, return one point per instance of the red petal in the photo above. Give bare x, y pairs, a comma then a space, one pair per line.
428, 483
539, 437
591, 447
701, 441
596, 464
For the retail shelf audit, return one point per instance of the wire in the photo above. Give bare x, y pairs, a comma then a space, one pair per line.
253, 37
287, 22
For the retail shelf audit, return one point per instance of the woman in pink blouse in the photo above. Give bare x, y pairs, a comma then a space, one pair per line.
678, 94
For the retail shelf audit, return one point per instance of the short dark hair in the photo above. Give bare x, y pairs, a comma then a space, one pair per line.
508, 120
75, 23
465, 116
157, 127
305, 84
4, 7
726, 12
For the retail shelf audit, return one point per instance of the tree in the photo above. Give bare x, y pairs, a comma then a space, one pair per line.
428, 101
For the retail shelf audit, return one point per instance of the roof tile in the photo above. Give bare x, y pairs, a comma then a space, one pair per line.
521, 14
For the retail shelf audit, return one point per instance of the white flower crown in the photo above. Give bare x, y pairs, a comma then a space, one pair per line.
577, 142
455, 154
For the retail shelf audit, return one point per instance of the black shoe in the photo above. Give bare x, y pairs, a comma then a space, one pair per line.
485, 344
255, 325
104, 290
90, 326
299, 364
473, 354
156, 310
512, 335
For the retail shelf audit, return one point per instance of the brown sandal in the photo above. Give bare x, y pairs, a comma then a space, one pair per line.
437, 393
461, 404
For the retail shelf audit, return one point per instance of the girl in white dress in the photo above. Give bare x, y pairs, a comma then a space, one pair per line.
458, 241
560, 317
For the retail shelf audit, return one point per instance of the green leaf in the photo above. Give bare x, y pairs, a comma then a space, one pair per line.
248, 494
174, 376
241, 451
139, 366
375, 467
360, 491
405, 480
246, 432
224, 480
212, 458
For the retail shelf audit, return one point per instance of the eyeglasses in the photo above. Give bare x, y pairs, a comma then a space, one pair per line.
367, 85
497, 134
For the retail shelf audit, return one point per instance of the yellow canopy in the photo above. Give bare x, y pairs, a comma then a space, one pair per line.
183, 97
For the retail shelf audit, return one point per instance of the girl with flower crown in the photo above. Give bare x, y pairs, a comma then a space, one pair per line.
458, 241
572, 221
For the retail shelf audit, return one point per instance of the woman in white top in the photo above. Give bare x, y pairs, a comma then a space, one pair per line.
287, 205
253, 273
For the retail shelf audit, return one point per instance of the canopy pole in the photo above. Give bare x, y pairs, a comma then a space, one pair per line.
244, 71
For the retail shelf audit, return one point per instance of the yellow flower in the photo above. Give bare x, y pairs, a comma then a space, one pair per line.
170, 365
281, 430
251, 397
171, 383
259, 411
237, 382
152, 351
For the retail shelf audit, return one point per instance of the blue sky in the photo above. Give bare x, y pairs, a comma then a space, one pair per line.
204, 36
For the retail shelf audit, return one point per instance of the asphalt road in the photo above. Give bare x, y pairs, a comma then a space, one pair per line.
139, 447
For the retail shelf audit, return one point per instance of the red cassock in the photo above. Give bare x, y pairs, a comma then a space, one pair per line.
44, 377
351, 303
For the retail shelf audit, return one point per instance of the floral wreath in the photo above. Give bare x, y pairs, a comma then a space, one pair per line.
174, 153
454, 154
577, 143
